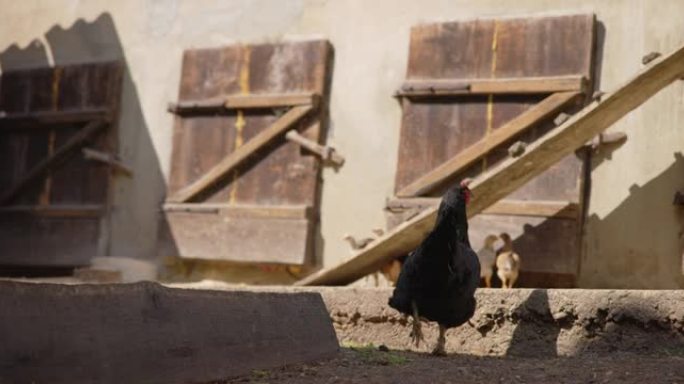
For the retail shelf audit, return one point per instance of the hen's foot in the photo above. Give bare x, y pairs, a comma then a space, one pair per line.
416, 332
440, 348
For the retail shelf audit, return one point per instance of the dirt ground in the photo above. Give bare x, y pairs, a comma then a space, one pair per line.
372, 365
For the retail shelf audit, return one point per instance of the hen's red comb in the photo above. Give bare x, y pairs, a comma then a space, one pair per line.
465, 182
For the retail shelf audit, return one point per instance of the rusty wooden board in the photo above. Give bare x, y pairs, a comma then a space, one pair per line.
281, 173
40, 110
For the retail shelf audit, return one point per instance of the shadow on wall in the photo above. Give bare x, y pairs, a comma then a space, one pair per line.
532, 337
132, 227
654, 260
635, 327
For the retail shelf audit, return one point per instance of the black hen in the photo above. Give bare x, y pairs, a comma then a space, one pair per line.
439, 278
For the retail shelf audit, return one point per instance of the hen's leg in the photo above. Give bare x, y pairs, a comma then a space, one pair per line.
488, 281
416, 332
440, 348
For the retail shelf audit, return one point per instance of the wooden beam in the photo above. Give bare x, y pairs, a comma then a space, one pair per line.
255, 101
241, 154
243, 210
68, 210
326, 153
38, 119
107, 158
435, 178
556, 209
40, 169
456, 87
514, 172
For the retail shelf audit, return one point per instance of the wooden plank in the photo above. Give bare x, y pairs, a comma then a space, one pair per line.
52, 161
242, 239
42, 118
523, 85
556, 209
253, 101
241, 154
326, 153
243, 210
61, 210
513, 173
481, 148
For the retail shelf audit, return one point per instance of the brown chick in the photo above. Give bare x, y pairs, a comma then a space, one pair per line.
507, 263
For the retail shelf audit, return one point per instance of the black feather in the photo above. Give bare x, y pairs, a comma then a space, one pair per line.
442, 274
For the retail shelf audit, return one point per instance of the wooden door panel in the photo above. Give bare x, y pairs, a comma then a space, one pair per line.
437, 128
279, 174
285, 175
41, 110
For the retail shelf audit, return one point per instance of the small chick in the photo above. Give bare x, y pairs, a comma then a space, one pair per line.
391, 271
357, 244
507, 263
487, 256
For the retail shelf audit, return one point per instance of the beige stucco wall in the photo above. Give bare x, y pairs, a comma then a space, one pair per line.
633, 232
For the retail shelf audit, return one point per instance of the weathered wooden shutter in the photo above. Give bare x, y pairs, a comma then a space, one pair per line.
52, 197
473, 89
238, 190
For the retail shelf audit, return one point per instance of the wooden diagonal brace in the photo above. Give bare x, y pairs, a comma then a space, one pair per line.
514, 173
519, 124
40, 169
328, 154
240, 154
